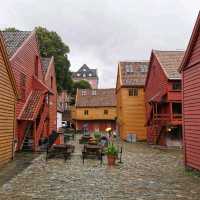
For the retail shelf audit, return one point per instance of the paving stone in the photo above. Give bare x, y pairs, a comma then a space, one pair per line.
146, 174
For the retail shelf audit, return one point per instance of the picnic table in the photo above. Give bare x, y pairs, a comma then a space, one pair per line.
92, 150
58, 149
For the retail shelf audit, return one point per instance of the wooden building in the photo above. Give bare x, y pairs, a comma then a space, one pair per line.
8, 97
95, 109
163, 98
130, 100
190, 69
36, 89
87, 74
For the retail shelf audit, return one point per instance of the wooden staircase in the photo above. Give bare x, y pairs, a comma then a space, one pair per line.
27, 144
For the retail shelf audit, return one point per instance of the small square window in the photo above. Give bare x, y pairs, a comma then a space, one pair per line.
86, 112
105, 112
83, 92
176, 86
133, 92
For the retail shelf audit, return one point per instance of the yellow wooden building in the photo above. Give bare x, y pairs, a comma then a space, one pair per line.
95, 109
8, 96
131, 115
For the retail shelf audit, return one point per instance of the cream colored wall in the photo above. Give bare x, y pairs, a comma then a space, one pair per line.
95, 113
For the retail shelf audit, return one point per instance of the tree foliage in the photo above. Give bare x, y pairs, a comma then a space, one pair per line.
81, 85
11, 29
51, 44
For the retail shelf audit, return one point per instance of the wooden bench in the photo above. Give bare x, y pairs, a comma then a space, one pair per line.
53, 150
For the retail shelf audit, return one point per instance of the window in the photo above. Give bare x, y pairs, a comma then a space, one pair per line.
105, 112
94, 92
23, 86
84, 75
90, 74
176, 85
177, 108
83, 92
133, 92
143, 68
78, 74
86, 112
129, 68
36, 65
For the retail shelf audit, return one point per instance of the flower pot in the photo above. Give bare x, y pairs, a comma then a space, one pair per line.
111, 159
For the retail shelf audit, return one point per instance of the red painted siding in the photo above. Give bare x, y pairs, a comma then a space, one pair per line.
159, 89
50, 80
191, 110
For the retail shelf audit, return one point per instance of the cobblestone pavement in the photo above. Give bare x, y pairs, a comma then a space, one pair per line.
146, 173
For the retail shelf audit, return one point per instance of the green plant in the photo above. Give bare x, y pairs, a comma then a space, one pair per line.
111, 150
97, 135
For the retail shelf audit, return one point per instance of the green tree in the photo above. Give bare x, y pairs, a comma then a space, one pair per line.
11, 29
51, 44
81, 85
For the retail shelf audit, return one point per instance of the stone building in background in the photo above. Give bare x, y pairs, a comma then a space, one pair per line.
87, 74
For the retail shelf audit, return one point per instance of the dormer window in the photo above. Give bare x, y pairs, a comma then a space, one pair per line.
94, 92
84, 69
36, 65
83, 92
143, 68
129, 68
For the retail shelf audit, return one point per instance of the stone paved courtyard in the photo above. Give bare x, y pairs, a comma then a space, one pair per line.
146, 173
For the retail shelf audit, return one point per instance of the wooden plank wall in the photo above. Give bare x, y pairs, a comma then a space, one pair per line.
7, 114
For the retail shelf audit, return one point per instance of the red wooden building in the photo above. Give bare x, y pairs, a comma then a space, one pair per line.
37, 85
163, 98
190, 69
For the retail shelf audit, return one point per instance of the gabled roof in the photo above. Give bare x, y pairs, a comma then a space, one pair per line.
170, 62
14, 39
32, 106
95, 98
193, 38
132, 73
45, 64
85, 70
7, 63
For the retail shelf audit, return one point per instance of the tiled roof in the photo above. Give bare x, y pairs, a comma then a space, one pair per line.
133, 73
45, 64
85, 70
96, 98
32, 106
14, 40
170, 62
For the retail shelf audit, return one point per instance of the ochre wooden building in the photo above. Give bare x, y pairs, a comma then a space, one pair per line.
8, 97
36, 89
190, 69
163, 98
131, 115
95, 109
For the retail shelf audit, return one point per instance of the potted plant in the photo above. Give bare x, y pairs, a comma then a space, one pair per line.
111, 152
97, 136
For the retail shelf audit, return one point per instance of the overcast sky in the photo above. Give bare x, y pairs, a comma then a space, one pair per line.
101, 33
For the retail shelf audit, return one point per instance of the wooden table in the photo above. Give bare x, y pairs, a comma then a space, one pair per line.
92, 150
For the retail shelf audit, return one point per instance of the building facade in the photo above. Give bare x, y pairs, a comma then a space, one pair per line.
8, 98
163, 98
190, 69
33, 107
87, 74
131, 113
95, 109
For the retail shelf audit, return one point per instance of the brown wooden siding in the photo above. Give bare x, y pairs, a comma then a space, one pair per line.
7, 114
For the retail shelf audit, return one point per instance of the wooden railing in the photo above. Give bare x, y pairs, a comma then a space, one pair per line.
41, 123
168, 117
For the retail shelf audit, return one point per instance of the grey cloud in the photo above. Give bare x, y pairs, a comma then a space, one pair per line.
103, 32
